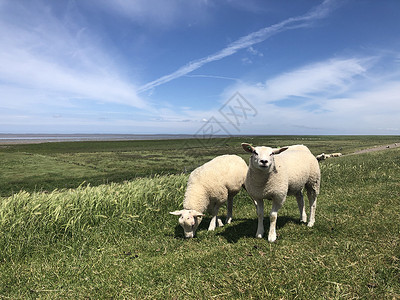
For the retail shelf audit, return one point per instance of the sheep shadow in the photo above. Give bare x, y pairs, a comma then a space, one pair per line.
246, 228
239, 228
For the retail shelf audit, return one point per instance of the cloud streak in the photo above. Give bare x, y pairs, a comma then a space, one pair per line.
249, 40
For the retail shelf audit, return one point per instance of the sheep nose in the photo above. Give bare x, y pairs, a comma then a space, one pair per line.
264, 162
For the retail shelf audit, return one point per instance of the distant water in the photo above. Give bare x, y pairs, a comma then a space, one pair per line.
44, 138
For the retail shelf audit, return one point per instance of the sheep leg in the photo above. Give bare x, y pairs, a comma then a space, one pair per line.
215, 220
260, 214
213, 223
229, 206
302, 209
276, 205
312, 198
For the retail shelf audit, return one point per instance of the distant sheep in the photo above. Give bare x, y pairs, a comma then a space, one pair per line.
336, 154
322, 156
208, 187
275, 173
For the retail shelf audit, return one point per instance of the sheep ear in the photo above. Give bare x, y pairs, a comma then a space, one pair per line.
176, 213
248, 147
279, 150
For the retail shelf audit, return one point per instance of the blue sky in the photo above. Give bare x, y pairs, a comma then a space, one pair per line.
200, 66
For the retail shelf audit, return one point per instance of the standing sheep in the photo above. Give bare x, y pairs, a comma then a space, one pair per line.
209, 186
272, 176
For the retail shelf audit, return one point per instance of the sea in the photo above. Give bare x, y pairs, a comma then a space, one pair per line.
46, 138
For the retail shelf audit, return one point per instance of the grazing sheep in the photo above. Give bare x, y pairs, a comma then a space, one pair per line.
336, 155
209, 186
322, 156
275, 173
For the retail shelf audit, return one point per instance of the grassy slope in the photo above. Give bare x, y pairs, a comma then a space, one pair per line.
118, 240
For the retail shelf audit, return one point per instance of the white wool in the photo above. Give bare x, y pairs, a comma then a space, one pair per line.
336, 154
294, 168
210, 184
208, 187
275, 173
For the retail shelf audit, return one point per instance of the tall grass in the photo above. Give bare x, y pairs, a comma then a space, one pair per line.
28, 221
118, 241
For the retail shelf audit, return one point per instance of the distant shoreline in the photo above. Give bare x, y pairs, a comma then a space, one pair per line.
16, 139
12, 139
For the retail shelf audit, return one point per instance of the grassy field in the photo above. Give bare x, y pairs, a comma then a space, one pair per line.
43, 167
117, 240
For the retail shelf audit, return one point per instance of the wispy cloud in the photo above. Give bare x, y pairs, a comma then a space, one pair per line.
213, 77
156, 13
344, 95
333, 76
51, 55
247, 41
303, 97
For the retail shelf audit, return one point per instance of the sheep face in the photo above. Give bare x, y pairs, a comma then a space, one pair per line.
189, 220
262, 158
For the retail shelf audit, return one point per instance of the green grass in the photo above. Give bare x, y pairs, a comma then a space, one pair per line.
43, 167
117, 240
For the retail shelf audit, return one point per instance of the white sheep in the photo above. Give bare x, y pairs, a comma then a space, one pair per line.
322, 156
272, 176
208, 187
338, 154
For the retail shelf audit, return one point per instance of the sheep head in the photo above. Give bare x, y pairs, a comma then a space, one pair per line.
262, 158
189, 220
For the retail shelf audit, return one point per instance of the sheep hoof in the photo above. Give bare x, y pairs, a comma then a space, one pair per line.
272, 238
310, 224
259, 235
228, 220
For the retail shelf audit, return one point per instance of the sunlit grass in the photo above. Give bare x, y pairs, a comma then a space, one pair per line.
118, 240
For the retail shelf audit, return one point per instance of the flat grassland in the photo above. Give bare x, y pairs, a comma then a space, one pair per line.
46, 166
90, 220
